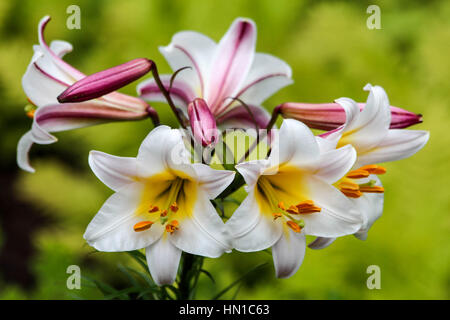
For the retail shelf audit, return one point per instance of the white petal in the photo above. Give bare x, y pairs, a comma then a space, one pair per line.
115, 172
155, 149
112, 227
213, 181
163, 259
288, 253
267, 75
338, 217
252, 170
334, 164
204, 233
230, 64
295, 145
397, 144
252, 230
194, 50
371, 207
23, 148
352, 112
321, 243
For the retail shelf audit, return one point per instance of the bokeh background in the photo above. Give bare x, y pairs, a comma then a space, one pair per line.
332, 53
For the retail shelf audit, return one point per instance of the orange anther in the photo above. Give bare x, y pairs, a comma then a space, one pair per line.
281, 205
163, 213
309, 210
276, 215
295, 227
153, 209
30, 114
374, 189
305, 204
142, 226
174, 207
352, 193
292, 210
358, 174
374, 169
172, 226
348, 186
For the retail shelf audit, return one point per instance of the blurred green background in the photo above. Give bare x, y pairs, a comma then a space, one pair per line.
332, 53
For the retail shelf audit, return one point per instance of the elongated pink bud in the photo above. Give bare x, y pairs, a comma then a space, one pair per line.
328, 116
203, 123
106, 81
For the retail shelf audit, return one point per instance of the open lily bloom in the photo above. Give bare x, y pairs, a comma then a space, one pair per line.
162, 203
290, 195
368, 132
218, 72
46, 77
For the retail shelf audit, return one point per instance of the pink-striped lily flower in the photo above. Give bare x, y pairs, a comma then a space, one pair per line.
329, 116
46, 77
368, 131
161, 203
291, 195
220, 72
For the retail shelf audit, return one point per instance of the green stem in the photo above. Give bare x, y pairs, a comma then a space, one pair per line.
189, 273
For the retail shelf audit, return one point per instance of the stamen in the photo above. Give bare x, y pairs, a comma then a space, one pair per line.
352, 193
163, 213
292, 210
374, 189
30, 109
281, 205
305, 204
348, 186
174, 207
373, 169
309, 210
358, 174
142, 226
276, 215
172, 226
294, 226
153, 209
30, 114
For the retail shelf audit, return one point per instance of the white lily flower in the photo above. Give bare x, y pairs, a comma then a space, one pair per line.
161, 203
218, 71
290, 195
368, 132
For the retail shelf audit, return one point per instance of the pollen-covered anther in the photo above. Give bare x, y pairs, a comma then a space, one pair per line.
307, 207
358, 174
373, 169
276, 215
172, 226
142, 226
352, 193
373, 189
163, 213
174, 207
153, 209
350, 189
292, 210
281, 205
294, 226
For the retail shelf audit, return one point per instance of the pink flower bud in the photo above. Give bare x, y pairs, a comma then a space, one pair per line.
328, 116
106, 81
203, 123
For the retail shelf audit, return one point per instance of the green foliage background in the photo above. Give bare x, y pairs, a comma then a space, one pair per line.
332, 54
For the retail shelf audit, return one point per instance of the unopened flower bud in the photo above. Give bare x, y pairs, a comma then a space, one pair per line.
203, 123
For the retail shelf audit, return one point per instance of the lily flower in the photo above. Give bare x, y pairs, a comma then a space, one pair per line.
161, 203
220, 74
290, 195
47, 76
368, 131
329, 116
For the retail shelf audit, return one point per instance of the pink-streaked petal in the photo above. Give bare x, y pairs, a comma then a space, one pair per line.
267, 75
397, 144
56, 57
321, 243
231, 63
288, 253
194, 50
114, 172
180, 92
240, 117
23, 149
163, 259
